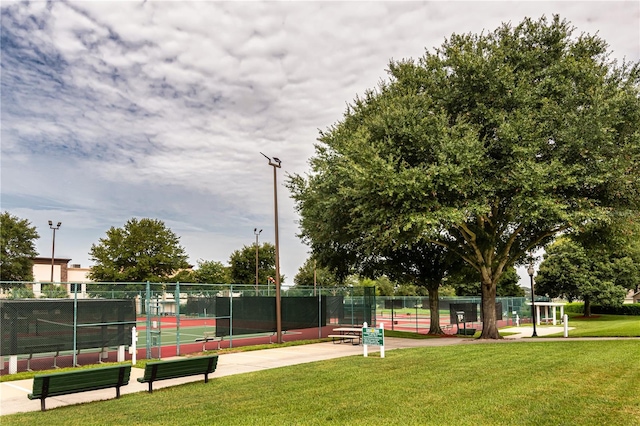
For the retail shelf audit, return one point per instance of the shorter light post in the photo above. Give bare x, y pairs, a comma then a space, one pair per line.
533, 298
257, 233
53, 244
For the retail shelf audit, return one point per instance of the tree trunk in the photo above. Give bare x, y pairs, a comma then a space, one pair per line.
587, 307
488, 307
434, 311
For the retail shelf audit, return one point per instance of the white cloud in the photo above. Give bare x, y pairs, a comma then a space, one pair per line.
159, 109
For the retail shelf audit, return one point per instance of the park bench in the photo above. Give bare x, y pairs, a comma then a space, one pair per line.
44, 349
56, 384
209, 336
172, 369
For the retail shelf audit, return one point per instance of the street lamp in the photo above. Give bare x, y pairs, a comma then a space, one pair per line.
276, 164
533, 298
257, 233
53, 244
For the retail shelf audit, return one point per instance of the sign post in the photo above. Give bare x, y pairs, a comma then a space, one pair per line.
374, 337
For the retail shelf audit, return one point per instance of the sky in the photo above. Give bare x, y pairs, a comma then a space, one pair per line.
160, 109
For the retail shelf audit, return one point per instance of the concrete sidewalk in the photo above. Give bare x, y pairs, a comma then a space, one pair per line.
544, 330
13, 395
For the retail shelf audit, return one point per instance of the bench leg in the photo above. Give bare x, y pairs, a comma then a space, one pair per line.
42, 404
150, 387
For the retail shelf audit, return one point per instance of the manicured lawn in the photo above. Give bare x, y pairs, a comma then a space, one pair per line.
568, 382
603, 326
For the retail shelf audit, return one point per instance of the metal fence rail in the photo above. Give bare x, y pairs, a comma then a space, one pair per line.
180, 318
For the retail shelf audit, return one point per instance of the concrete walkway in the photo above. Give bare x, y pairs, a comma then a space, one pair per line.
544, 330
13, 395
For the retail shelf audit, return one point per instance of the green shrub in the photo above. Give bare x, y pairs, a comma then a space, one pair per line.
631, 309
574, 307
21, 293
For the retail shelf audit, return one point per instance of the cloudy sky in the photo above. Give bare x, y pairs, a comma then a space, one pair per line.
113, 110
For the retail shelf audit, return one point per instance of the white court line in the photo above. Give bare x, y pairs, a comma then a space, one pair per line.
18, 387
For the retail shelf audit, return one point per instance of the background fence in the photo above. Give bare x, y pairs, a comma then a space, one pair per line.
46, 325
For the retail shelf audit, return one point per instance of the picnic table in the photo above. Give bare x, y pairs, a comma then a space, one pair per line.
345, 334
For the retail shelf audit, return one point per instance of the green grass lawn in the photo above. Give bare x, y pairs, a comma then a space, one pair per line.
603, 326
533, 383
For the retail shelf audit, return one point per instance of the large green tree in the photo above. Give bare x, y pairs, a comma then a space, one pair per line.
142, 250
212, 272
423, 265
242, 264
569, 271
17, 249
311, 272
489, 146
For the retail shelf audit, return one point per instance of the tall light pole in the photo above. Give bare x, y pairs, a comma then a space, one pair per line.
257, 233
533, 298
276, 164
53, 244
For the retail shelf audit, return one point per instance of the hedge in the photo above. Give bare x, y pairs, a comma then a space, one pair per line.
629, 309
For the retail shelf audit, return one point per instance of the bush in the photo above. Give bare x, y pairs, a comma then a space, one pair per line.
575, 307
632, 309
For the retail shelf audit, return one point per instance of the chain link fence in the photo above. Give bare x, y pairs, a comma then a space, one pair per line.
48, 325
68, 324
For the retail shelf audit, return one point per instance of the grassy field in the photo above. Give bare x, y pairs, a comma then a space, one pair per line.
603, 326
535, 383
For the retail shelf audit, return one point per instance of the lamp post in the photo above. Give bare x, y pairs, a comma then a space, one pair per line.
53, 244
276, 164
257, 233
533, 298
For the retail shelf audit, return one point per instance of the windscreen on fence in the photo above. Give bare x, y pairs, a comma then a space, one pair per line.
36, 326
470, 312
258, 314
200, 306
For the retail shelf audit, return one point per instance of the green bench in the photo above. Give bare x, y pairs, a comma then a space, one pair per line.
56, 384
172, 369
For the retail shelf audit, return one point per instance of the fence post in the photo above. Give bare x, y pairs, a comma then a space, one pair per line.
176, 298
319, 312
364, 345
147, 304
75, 326
382, 346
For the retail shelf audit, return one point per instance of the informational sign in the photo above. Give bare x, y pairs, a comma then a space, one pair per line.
373, 336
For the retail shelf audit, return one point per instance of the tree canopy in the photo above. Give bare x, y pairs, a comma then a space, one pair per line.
323, 275
242, 264
489, 146
17, 248
466, 282
596, 265
142, 250
568, 271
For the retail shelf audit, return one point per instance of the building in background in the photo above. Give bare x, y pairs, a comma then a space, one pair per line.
64, 274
